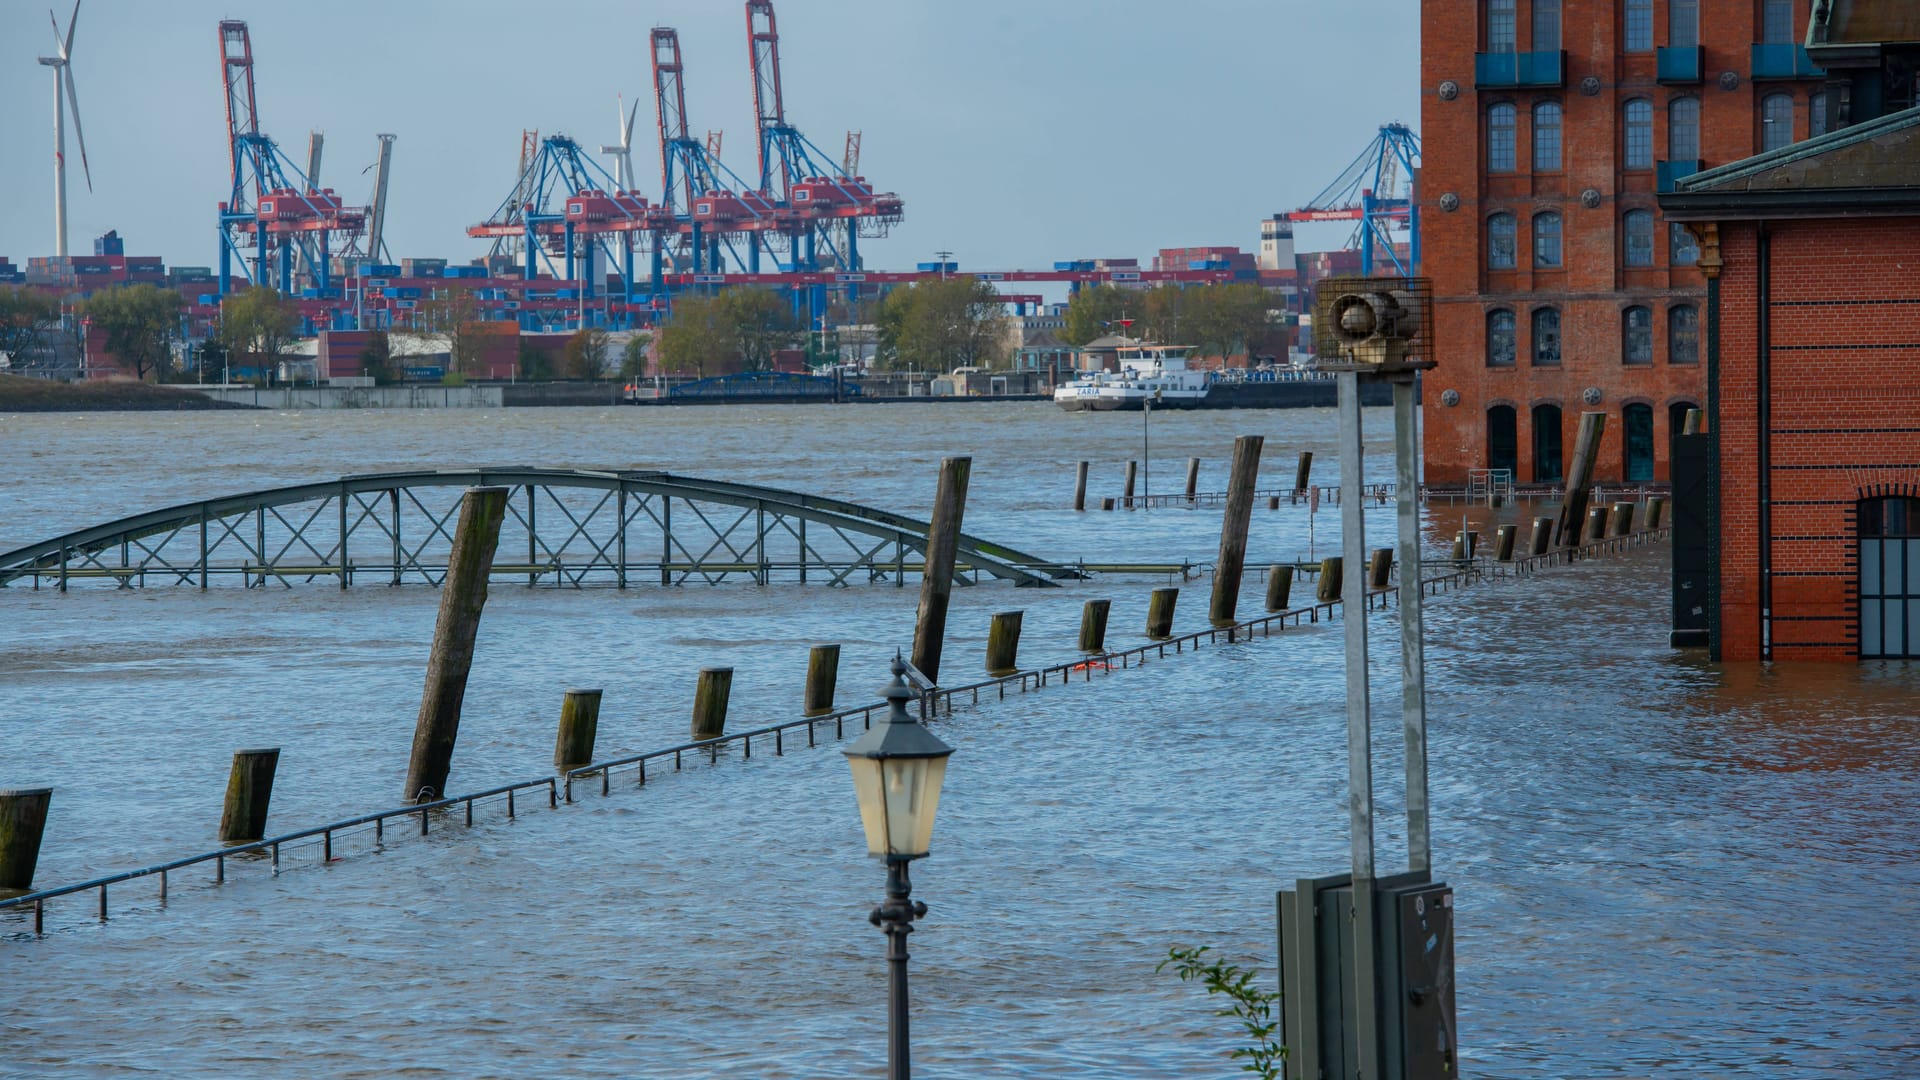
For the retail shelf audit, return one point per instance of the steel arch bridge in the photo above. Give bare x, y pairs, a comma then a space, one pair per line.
564, 527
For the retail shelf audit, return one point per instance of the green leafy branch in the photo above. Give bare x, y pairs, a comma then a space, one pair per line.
1252, 1006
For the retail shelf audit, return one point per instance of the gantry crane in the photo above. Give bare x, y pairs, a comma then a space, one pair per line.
1376, 190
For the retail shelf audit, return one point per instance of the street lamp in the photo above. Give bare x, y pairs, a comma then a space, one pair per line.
898, 766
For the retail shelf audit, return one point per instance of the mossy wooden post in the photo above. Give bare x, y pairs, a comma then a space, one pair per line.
462, 595
1503, 538
579, 726
1690, 425
1231, 564
1279, 586
1126, 493
943, 538
1656, 510
1586, 449
1093, 625
1597, 523
249, 789
1193, 478
823, 672
1303, 472
1380, 569
1621, 522
23, 817
1541, 541
1003, 643
710, 702
1080, 487
1160, 612
1327, 589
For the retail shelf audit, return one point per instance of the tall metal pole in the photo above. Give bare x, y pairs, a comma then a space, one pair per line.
1146, 449
1413, 663
895, 916
1353, 602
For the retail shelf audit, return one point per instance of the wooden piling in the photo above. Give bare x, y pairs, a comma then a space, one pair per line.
1380, 568
462, 596
1542, 539
1228, 568
1327, 589
1503, 538
579, 727
1273, 502
1303, 471
1691, 424
249, 790
1596, 523
23, 818
1093, 625
1003, 643
1193, 478
1621, 521
1656, 510
943, 540
823, 672
1160, 612
1586, 449
1080, 487
710, 702
1106, 503
1279, 586
1133, 468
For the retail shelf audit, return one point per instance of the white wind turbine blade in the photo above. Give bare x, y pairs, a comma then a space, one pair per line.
626, 134
66, 52
66, 76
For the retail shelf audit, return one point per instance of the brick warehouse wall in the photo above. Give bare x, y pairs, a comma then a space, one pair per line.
1593, 287
1845, 421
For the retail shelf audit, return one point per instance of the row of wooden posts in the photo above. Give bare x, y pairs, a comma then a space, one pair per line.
1303, 472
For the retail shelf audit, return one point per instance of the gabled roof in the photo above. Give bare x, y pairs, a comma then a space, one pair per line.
1111, 341
1871, 168
1043, 339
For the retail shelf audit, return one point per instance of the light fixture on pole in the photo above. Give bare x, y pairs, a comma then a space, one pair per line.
898, 767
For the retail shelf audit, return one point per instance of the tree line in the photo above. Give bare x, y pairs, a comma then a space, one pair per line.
1217, 320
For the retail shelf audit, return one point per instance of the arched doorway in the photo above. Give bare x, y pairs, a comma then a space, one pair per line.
1546, 444
1503, 439
1889, 578
1637, 442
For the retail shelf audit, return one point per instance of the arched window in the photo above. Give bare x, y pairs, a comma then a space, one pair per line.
1546, 337
1546, 25
1776, 121
1546, 241
1546, 137
1683, 334
1817, 115
1500, 26
1501, 243
1639, 122
1546, 444
1639, 26
1500, 155
1889, 577
1683, 23
1636, 442
1638, 227
1683, 129
1503, 438
1682, 248
1500, 338
1636, 335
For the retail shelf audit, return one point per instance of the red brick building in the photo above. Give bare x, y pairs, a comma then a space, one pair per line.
1813, 367
1549, 128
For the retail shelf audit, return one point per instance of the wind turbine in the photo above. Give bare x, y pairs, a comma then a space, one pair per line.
623, 153
62, 98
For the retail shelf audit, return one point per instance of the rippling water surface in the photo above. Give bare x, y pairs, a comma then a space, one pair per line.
1664, 868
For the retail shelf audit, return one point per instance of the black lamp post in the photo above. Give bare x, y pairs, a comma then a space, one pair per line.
898, 766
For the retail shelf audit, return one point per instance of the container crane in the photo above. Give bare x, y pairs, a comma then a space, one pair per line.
1376, 190
567, 205
710, 205
272, 207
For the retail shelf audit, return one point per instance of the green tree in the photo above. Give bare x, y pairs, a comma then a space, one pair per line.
26, 316
257, 327
376, 360
1228, 319
585, 355
633, 357
1096, 312
1166, 312
535, 364
452, 313
762, 323
697, 338
939, 325
141, 323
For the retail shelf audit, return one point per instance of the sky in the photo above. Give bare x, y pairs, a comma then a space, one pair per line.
1018, 132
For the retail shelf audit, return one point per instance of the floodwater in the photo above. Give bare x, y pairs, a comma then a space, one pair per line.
1663, 867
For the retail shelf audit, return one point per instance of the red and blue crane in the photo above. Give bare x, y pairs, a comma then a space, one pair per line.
1376, 190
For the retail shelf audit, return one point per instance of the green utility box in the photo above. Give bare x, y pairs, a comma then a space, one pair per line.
1413, 978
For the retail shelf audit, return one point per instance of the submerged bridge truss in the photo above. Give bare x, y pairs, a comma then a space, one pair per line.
563, 527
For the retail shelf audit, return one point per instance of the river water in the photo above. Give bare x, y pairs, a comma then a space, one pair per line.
1663, 867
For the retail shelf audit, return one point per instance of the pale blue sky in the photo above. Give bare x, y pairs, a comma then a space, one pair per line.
1018, 131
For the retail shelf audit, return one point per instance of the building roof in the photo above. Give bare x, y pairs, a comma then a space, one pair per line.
1043, 339
1110, 341
1871, 168
1863, 22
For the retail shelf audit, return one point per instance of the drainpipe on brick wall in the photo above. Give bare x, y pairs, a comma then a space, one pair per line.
1764, 371
1713, 429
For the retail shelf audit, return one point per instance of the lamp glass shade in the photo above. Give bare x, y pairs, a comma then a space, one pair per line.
898, 797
